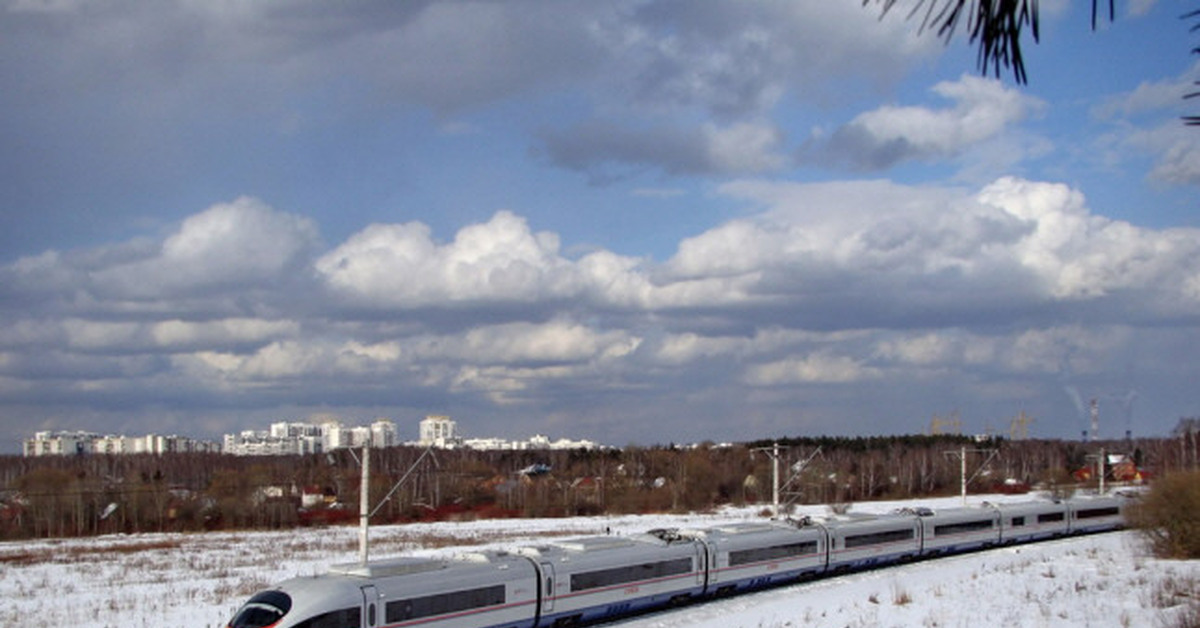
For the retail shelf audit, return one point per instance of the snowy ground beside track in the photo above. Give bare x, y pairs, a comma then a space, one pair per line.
175, 580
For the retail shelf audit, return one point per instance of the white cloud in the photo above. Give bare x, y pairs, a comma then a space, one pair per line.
556, 341
744, 148
166, 336
927, 349
1079, 255
846, 284
220, 333
815, 368
505, 385
681, 349
1014, 242
1038, 351
1176, 154
815, 234
401, 265
1155, 96
738, 247
890, 135
244, 243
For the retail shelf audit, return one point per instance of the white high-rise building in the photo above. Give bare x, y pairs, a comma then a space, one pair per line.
74, 443
439, 430
310, 438
383, 433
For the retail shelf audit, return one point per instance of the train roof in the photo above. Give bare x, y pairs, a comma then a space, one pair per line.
739, 529
410, 565
593, 543
391, 567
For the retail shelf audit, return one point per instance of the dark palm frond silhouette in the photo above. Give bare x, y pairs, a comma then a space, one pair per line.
995, 27
1194, 16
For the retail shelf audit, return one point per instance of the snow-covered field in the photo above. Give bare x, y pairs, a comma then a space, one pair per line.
198, 580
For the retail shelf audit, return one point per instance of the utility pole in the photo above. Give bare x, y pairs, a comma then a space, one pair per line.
1101, 463
796, 470
961, 454
364, 505
776, 454
775, 479
364, 496
773, 452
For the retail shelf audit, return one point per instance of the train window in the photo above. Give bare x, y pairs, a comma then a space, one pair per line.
777, 552
960, 528
1050, 517
443, 603
343, 618
1091, 513
879, 538
633, 573
263, 609
1018, 522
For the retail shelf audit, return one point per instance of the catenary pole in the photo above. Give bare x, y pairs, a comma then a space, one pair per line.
364, 513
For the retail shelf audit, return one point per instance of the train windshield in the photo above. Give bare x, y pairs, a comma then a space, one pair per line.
262, 610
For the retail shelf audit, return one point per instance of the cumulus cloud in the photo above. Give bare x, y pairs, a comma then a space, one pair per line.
401, 265
884, 137
864, 286
503, 263
1079, 255
231, 245
1016, 242
208, 264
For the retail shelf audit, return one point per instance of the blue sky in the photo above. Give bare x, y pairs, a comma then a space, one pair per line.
633, 221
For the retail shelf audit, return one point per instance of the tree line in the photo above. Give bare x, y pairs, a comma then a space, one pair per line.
102, 494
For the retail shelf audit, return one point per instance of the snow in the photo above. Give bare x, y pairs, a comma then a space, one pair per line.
200, 579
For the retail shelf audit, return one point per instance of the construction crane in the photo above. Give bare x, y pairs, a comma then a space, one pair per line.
950, 425
1018, 429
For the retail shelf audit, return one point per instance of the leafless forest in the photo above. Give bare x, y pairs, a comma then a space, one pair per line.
99, 494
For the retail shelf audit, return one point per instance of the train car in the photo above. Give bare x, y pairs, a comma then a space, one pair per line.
752, 555
562, 583
1032, 521
959, 530
592, 578
481, 589
1096, 514
862, 542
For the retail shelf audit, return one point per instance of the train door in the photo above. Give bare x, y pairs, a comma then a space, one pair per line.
547, 587
711, 568
370, 616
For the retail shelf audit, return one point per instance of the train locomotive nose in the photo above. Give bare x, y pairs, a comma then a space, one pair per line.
264, 610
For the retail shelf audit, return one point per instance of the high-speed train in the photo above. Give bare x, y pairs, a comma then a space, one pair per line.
566, 582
